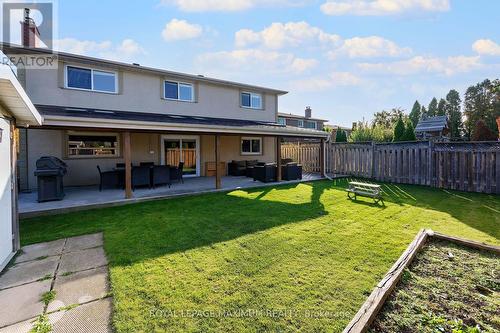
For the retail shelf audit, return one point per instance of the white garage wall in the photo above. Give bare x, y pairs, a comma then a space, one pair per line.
5, 195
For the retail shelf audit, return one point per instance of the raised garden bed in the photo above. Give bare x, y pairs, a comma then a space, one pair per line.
440, 284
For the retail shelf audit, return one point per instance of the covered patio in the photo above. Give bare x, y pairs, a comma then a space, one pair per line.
87, 197
205, 154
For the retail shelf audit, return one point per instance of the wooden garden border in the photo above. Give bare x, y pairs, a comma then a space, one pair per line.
369, 310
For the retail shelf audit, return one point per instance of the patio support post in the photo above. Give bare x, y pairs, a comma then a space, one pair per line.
218, 171
322, 157
128, 167
278, 158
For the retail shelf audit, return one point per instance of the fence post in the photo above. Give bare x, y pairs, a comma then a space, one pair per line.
373, 160
431, 164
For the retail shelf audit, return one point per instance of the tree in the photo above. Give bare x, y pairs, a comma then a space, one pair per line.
482, 102
415, 113
399, 130
454, 113
423, 113
482, 132
388, 119
409, 134
340, 136
364, 132
441, 109
433, 107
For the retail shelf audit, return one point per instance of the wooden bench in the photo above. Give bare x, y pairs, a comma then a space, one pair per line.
364, 189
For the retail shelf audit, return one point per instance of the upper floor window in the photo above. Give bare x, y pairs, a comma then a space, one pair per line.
281, 121
91, 79
85, 144
251, 100
300, 123
179, 91
310, 124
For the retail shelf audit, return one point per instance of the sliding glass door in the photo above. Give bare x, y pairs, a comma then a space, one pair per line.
185, 149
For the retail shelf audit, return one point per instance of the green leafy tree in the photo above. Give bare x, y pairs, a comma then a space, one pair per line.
415, 113
409, 134
441, 110
433, 107
364, 133
454, 113
388, 119
482, 102
399, 130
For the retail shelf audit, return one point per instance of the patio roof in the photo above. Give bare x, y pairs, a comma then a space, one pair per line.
15, 100
119, 119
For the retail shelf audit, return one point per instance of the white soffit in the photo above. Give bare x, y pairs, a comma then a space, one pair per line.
14, 99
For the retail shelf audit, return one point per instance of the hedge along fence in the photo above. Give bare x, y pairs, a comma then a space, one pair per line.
465, 166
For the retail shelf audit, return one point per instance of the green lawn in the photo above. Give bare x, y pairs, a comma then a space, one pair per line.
290, 258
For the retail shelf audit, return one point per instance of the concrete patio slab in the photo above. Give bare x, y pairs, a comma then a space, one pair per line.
92, 317
83, 242
22, 327
82, 260
32, 252
29, 272
81, 287
22, 303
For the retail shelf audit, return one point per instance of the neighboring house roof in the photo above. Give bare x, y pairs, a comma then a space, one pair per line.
136, 67
15, 100
88, 117
289, 115
431, 124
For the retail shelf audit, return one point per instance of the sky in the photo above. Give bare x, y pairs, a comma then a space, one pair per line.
345, 59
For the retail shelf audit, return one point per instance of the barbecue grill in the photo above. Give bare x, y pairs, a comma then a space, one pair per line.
50, 172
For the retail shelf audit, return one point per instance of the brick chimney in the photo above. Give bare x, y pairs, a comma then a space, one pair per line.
308, 112
29, 30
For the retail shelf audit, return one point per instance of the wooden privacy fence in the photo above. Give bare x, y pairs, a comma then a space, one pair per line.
465, 166
306, 154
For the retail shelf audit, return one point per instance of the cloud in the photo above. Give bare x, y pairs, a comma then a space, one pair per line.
367, 47
486, 47
383, 7
252, 60
280, 35
335, 79
226, 5
422, 65
180, 30
124, 51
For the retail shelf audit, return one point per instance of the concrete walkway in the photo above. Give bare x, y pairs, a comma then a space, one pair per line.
74, 270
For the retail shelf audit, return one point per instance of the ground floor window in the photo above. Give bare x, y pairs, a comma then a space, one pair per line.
84, 144
251, 146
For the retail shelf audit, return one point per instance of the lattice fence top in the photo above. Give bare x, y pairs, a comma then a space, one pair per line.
468, 146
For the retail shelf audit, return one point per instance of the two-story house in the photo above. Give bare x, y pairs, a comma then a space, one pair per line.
98, 112
305, 121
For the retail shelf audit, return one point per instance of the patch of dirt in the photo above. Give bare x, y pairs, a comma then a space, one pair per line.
447, 288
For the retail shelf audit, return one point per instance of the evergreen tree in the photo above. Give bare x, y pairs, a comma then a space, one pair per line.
433, 107
441, 110
423, 113
399, 130
409, 132
415, 113
454, 113
340, 136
